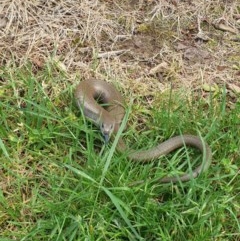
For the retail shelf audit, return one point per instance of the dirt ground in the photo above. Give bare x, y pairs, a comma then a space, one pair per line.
145, 45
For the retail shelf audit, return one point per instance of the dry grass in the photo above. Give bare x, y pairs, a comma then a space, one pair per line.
149, 33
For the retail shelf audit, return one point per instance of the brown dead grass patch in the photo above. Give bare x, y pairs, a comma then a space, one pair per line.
193, 42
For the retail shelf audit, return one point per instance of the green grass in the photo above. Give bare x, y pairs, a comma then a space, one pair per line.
58, 182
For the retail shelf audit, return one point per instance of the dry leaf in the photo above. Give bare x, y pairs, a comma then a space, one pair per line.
210, 88
224, 27
195, 54
234, 88
159, 68
180, 46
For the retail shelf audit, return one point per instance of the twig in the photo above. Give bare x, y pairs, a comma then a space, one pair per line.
112, 53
